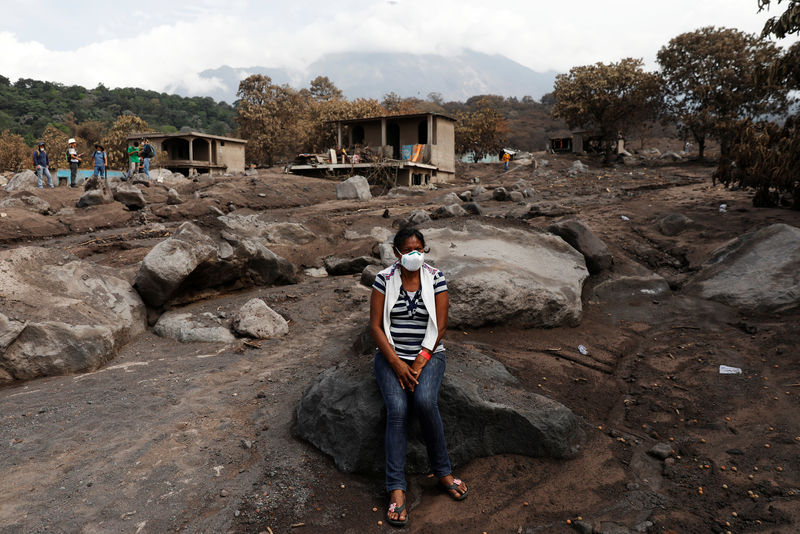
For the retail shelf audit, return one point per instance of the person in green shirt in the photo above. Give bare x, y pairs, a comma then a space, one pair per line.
133, 154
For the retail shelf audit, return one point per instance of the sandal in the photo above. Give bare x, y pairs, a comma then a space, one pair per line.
395, 509
454, 487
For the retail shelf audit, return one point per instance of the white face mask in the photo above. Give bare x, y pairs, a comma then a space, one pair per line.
413, 260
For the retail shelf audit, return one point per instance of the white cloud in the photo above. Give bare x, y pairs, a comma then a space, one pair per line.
164, 45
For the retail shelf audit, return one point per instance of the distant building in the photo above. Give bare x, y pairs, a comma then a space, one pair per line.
191, 153
419, 148
582, 141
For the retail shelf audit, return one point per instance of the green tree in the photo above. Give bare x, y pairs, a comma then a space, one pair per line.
322, 89
607, 98
481, 132
709, 79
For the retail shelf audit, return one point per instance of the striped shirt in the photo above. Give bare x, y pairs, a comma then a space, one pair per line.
409, 317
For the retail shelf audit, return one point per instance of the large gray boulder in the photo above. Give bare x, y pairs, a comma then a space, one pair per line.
192, 262
60, 314
483, 413
27, 201
759, 271
508, 276
256, 319
189, 328
452, 210
96, 192
27, 181
257, 225
130, 195
576, 233
354, 188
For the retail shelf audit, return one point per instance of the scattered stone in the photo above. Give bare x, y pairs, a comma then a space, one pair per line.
27, 201
472, 208
129, 195
466, 196
27, 181
354, 188
369, 273
500, 194
386, 253
449, 198
418, 217
662, 451
576, 233
139, 178
173, 198
257, 320
673, 224
344, 266
188, 328
246, 444
96, 192
191, 261
223, 493
478, 190
453, 210
516, 196
758, 271
548, 209
577, 167
342, 414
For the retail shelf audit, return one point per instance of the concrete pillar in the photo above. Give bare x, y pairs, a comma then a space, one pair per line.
430, 129
383, 133
209, 151
191, 149
339, 134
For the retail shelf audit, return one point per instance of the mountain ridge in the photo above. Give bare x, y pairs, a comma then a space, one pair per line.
374, 74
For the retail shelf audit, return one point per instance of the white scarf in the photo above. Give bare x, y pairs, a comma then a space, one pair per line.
393, 285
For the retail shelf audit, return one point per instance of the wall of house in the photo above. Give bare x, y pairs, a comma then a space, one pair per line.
443, 152
372, 133
231, 155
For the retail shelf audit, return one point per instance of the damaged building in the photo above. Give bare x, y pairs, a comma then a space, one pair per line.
415, 149
193, 153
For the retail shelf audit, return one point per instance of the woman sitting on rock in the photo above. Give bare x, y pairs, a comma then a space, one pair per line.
408, 318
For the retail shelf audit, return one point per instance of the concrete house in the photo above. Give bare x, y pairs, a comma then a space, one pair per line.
191, 153
419, 148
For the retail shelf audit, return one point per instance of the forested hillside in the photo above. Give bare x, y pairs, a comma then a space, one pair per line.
28, 106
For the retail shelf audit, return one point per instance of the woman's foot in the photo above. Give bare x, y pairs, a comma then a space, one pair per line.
454, 487
397, 514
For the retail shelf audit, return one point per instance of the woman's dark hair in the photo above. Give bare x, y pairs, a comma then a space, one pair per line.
404, 233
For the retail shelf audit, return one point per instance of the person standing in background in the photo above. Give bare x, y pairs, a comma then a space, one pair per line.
147, 153
74, 161
41, 162
133, 154
506, 158
100, 161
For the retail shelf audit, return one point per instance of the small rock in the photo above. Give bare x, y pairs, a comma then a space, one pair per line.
662, 451
247, 444
223, 493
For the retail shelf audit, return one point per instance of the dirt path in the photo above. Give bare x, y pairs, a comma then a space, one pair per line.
177, 437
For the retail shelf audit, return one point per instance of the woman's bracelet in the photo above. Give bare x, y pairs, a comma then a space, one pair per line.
425, 353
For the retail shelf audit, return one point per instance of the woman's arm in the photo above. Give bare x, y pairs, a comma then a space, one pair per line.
405, 374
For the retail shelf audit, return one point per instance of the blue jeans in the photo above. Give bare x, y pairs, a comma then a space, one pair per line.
147, 167
46, 172
425, 400
99, 170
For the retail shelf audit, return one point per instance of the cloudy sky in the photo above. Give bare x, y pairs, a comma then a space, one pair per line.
161, 44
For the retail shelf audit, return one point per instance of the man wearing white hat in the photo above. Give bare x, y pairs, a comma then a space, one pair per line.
74, 161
